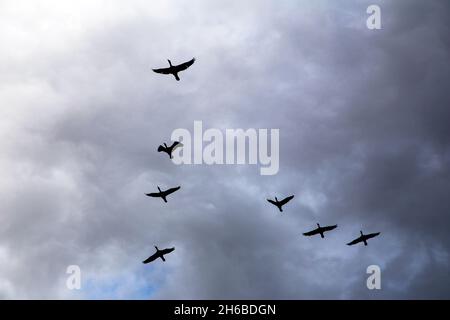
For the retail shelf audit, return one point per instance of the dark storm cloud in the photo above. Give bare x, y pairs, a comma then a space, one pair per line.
363, 118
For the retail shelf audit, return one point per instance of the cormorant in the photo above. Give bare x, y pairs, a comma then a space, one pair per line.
281, 203
363, 238
158, 254
175, 69
320, 230
169, 150
163, 194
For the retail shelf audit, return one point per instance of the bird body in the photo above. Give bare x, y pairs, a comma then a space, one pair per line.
281, 203
163, 194
320, 230
175, 69
158, 254
169, 150
363, 238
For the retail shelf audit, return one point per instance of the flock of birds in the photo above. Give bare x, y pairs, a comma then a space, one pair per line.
321, 230
174, 70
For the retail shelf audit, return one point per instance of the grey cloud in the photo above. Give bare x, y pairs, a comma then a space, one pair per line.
363, 118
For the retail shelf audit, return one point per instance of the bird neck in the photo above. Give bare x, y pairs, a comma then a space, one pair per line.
170, 63
318, 225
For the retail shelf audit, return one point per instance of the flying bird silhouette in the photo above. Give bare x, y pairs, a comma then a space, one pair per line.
320, 230
175, 69
281, 203
363, 238
169, 150
163, 194
158, 254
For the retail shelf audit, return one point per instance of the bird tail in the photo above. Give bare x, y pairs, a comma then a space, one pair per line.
176, 76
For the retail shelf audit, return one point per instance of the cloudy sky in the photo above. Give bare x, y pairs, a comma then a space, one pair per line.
364, 122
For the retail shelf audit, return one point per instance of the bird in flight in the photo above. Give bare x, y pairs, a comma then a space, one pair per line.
320, 230
158, 254
163, 194
175, 69
169, 150
280, 203
363, 238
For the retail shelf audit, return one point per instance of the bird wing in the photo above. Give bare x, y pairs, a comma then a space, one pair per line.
176, 144
286, 200
272, 202
354, 241
171, 190
162, 148
185, 65
162, 70
371, 235
311, 233
328, 228
166, 251
151, 258
153, 194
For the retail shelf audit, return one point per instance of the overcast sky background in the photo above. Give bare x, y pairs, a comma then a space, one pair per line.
364, 121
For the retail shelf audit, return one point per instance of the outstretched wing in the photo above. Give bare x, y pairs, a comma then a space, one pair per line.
354, 241
272, 202
371, 235
153, 194
328, 228
171, 190
175, 145
185, 65
311, 233
151, 258
162, 148
286, 200
162, 70
168, 250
